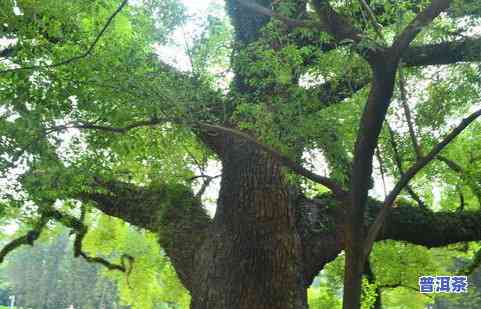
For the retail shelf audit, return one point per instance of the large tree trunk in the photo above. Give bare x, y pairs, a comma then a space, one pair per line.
252, 257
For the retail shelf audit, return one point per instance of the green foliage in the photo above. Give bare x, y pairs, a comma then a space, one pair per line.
321, 298
50, 277
397, 268
56, 279
369, 294
44, 159
152, 279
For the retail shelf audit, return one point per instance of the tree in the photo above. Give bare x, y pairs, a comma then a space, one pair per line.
93, 117
50, 277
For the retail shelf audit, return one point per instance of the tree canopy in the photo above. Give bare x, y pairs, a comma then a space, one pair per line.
337, 124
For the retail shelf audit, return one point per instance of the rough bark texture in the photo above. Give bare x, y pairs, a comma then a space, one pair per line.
253, 255
267, 242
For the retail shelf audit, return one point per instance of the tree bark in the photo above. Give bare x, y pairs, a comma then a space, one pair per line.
252, 257
267, 242
384, 71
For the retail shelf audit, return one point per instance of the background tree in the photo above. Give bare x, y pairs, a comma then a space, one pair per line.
92, 118
50, 277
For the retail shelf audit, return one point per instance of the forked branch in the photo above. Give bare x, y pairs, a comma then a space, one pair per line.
335, 187
422, 20
410, 173
80, 230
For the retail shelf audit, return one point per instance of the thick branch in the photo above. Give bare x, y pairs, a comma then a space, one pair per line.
261, 10
468, 50
139, 206
423, 19
169, 210
335, 24
321, 223
27, 239
284, 160
430, 229
78, 57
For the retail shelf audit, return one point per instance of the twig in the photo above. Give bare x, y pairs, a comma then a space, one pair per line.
398, 161
78, 57
80, 230
407, 113
475, 188
205, 184
381, 169
377, 26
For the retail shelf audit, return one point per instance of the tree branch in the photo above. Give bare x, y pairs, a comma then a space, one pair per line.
423, 19
80, 230
458, 169
444, 53
205, 184
261, 10
284, 160
85, 126
407, 113
321, 225
92, 126
398, 161
377, 26
335, 91
27, 239
78, 57
171, 211
319, 222
337, 25
411, 172
137, 205
421, 226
